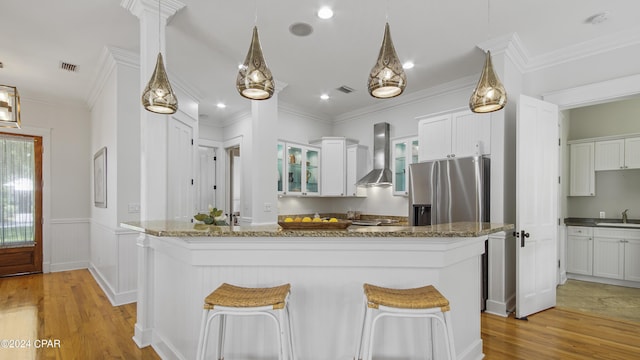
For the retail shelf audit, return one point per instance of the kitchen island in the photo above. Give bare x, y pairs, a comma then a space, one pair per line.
180, 263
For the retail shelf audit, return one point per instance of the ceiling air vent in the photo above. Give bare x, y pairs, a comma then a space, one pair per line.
345, 89
68, 67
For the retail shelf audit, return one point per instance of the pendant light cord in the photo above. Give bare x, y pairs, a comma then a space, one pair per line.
159, 42
255, 18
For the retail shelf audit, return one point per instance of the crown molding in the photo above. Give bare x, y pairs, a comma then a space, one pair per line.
467, 82
298, 111
585, 49
138, 7
110, 57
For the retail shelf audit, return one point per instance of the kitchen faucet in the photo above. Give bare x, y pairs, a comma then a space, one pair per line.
624, 216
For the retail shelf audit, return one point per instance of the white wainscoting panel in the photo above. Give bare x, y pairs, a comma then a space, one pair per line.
113, 262
69, 248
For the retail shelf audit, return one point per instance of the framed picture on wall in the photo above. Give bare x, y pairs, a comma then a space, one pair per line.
100, 178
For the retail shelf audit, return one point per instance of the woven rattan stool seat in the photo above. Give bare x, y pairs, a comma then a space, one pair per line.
418, 298
235, 296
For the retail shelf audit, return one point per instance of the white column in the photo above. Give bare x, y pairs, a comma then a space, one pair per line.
259, 159
153, 127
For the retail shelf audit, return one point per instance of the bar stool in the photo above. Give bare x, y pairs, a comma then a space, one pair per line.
234, 300
423, 302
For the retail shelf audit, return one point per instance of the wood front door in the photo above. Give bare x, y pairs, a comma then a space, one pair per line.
20, 204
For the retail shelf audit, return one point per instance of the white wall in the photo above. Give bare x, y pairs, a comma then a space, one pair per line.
64, 126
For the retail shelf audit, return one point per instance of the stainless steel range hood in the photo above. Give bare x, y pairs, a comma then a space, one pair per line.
381, 174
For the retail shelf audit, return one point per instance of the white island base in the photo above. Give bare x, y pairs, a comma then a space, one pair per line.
326, 275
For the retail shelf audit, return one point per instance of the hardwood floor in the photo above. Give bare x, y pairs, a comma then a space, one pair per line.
71, 308
559, 334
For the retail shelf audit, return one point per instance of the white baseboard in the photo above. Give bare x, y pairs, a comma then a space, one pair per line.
74, 265
116, 299
142, 337
627, 283
497, 308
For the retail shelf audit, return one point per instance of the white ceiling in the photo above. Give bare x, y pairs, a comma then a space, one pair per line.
206, 41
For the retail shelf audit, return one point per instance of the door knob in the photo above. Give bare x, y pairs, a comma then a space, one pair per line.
523, 235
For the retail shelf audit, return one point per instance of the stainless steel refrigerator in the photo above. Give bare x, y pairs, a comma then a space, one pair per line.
450, 190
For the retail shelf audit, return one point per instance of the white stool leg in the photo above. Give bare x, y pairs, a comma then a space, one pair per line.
204, 334
361, 340
221, 333
449, 335
432, 335
291, 332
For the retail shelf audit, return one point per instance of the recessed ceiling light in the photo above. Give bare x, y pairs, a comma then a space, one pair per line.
325, 13
324, 97
221, 105
408, 65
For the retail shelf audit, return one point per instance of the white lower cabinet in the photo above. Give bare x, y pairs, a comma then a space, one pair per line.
632, 260
616, 254
608, 261
609, 253
580, 250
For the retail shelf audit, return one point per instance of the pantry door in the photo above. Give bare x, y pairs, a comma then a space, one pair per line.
537, 146
20, 204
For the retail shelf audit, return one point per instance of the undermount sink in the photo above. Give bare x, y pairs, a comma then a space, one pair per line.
613, 224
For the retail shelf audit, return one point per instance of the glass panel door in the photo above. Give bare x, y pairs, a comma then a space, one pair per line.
294, 174
20, 204
312, 170
414, 151
280, 167
399, 159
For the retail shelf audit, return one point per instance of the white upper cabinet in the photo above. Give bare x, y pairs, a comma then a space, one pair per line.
609, 155
458, 134
343, 163
617, 154
632, 153
333, 166
356, 167
434, 136
582, 176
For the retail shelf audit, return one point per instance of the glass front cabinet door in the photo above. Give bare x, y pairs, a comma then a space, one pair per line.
281, 177
301, 173
405, 152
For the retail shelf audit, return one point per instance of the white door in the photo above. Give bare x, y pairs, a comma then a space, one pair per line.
180, 175
206, 190
536, 205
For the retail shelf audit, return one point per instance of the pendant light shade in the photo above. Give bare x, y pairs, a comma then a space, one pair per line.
9, 107
254, 80
158, 97
489, 95
387, 78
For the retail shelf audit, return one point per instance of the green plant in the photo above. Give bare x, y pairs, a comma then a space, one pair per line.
214, 217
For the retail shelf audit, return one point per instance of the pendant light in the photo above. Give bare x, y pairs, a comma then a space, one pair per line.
387, 78
158, 96
489, 94
9, 107
254, 79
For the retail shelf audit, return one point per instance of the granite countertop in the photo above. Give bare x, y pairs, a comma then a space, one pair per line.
186, 229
